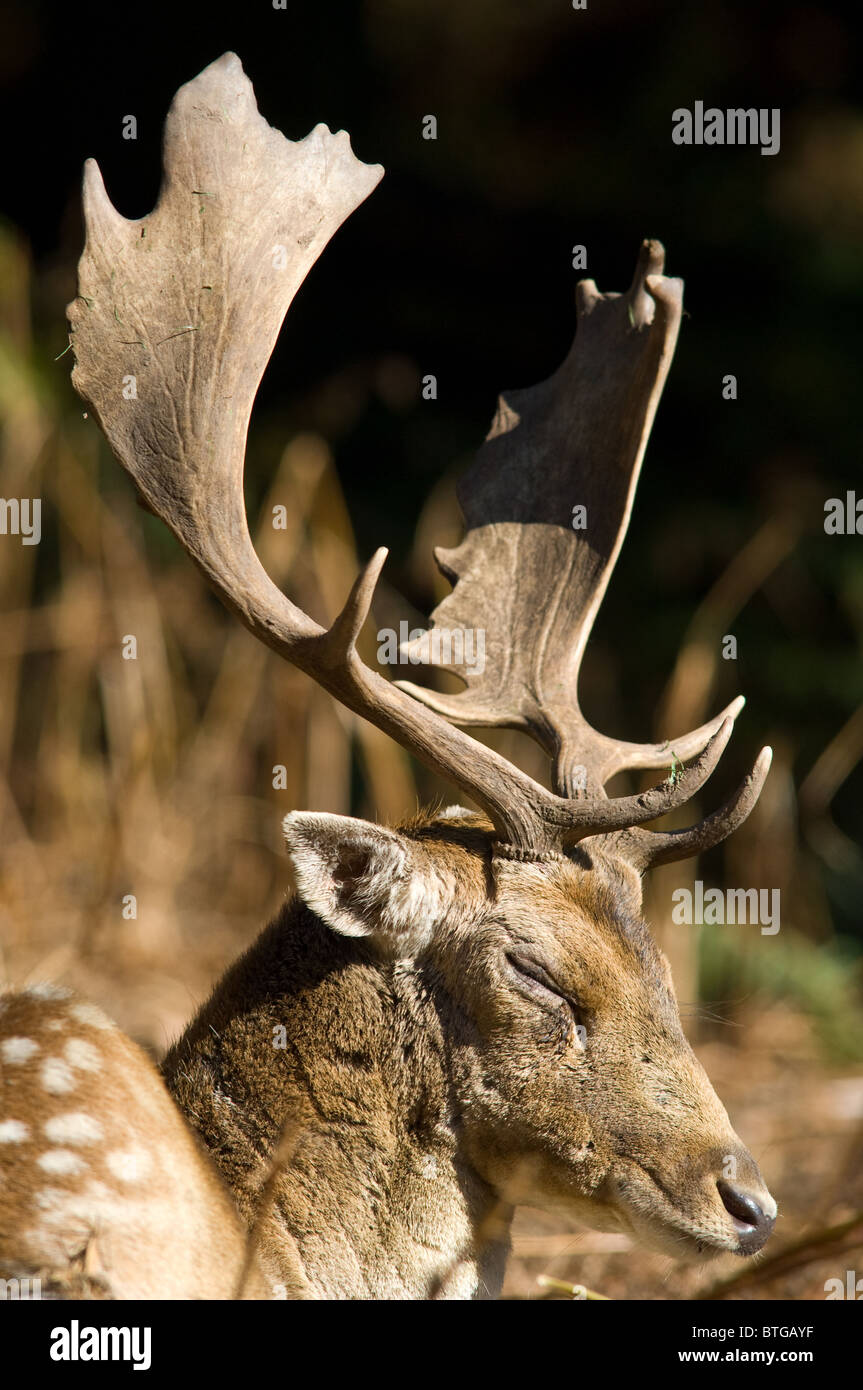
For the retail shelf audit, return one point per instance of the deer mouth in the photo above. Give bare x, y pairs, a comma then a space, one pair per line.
722, 1218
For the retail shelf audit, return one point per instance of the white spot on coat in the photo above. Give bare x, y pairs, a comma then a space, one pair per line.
17, 1050
88, 1013
82, 1055
13, 1132
129, 1165
45, 990
61, 1161
57, 1077
74, 1128
51, 1199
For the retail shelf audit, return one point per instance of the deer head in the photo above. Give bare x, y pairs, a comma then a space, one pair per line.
511, 937
566, 1071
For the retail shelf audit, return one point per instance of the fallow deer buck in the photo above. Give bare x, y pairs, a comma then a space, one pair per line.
466, 1012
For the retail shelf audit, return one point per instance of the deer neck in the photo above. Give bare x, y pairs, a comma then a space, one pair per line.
378, 1199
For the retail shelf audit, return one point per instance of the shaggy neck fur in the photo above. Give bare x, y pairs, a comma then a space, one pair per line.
377, 1200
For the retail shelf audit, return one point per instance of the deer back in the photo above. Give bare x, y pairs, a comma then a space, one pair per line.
104, 1190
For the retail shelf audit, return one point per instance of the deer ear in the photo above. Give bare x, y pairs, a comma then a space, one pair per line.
365, 880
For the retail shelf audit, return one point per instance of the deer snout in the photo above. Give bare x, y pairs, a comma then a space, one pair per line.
754, 1216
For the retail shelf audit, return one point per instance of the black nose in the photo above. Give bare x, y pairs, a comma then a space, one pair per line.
752, 1224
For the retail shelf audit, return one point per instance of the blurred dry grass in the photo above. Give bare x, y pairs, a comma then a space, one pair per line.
156, 777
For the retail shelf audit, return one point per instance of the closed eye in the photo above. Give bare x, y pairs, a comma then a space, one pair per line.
535, 981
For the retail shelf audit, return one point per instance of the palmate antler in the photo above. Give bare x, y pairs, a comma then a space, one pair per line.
176, 317
532, 580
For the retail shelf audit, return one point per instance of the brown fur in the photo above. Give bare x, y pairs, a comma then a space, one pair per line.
437, 1090
426, 1036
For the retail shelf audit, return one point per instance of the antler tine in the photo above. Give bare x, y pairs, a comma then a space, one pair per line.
579, 819
610, 756
338, 646
646, 849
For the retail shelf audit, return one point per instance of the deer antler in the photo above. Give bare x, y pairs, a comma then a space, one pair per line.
523, 573
176, 316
